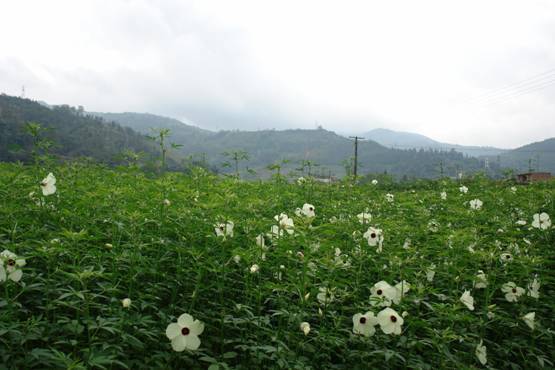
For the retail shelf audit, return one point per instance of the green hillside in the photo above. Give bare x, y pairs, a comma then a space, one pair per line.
323, 147
72, 132
540, 156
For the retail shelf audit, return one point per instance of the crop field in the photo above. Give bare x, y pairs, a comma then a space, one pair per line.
112, 269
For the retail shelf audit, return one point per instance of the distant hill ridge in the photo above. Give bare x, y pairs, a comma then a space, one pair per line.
409, 140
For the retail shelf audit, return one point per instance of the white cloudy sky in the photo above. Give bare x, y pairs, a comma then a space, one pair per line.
468, 72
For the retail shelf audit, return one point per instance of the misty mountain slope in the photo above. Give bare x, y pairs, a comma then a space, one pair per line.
409, 140
325, 148
73, 133
539, 155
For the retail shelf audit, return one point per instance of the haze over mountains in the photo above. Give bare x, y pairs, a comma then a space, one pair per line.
99, 136
409, 140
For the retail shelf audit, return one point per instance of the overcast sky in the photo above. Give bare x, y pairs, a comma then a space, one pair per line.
468, 72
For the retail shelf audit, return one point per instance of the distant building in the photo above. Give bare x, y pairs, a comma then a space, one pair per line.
525, 178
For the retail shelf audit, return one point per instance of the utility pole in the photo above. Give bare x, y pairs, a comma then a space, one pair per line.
356, 154
537, 162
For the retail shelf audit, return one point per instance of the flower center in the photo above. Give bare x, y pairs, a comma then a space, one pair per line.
222, 228
507, 256
11, 262
362, 320
42, 184
185, 331
393, 318
310, 209
379, 292
514, 290
373, 235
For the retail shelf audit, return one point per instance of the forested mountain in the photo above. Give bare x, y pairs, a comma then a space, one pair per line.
538, 156
325, 148
72, 132
409, 140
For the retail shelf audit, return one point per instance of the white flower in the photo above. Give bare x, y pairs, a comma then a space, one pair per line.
433, 226
364, 324
513, 189
529, 319
481, 280
506, 257
512, 292
374, 237
325, 296
430, 273
443, 195
364, 217
48, 185
12, 269
254, 269
301, 180
390, 321
374, 182
467, 300
224, 229
308, 210
534, 289
260, 241
402, 289
305, 327
481, 353
126, 302
167, 202
406, 244
463, 189
541, 221
285, 223
521, 222
476, 204
382, 294
184, 334
237, 258
389, 197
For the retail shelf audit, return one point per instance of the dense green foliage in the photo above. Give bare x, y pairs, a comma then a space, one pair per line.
108, 234
325, 148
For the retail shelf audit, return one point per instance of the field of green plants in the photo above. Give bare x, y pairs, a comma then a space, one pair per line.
114, 269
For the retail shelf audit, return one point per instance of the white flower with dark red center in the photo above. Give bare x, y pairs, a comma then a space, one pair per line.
476, 204
443, 195
529, 319
325, 296
48, 185
534, 289
184, 334
541, 221
382, 294
254, 269
389, 197
305, 327
10, 266
374, 237
513, 189
364, 217
390, 321
167, 202
481, 353
126, 302
301, 180
481, 280
402, 289
363, 324
224, 229
467, 300
506, 257
308, 210
433, 226
463, 189
512, 292
374, 182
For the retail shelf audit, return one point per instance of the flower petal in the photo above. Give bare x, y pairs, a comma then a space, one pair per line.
196, 328
173, 330
179, 343
185, 320
16, 275
192, 342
